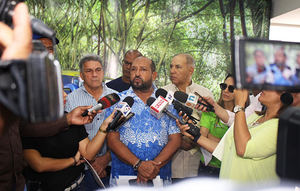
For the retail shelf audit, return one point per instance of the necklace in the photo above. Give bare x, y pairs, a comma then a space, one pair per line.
256, 122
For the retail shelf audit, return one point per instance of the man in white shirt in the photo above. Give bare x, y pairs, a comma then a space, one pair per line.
186, 160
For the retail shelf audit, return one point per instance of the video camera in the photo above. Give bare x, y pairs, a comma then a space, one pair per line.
32, 88
267, 64
274, 65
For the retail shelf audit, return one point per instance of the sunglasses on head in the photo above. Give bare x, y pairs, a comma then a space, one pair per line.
223, 86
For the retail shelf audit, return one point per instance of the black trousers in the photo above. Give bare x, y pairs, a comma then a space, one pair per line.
208, 171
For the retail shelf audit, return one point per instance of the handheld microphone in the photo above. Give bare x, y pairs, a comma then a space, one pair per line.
191, 100
123, 109
169, 96
177, 105
158, 106
183, 97
123, 120
103, 103
155, 108
193, 130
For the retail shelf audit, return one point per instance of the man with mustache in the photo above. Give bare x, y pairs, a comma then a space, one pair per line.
281, 71
144, 145
123, 83
91, 71
186, 160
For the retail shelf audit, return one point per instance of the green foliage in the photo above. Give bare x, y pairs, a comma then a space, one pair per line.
158, 28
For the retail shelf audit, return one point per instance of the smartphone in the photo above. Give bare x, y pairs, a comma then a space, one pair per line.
133, 182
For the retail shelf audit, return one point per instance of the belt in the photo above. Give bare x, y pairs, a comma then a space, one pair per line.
76, 183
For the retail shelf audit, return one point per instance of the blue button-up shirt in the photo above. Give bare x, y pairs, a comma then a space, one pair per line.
144, 135
81, 97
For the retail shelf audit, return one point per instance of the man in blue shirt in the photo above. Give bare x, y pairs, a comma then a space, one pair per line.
144, 145
259, 72
93, 89
123, 83
281, 71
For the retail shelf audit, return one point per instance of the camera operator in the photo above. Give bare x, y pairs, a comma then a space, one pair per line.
16, 44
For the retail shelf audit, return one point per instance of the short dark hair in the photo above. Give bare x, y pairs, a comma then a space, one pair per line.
133, 51
258, 50
89, 57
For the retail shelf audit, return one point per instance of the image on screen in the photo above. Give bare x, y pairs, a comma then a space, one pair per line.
272, 63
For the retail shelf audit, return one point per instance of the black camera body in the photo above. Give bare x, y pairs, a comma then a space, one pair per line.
6, 10
32, 88
288, 144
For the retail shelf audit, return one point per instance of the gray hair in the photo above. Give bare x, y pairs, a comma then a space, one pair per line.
89, 57
189, 59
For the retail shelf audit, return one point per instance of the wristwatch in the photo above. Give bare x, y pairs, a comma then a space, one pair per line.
238, 108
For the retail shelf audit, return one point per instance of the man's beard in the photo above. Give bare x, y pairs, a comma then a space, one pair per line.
143, 86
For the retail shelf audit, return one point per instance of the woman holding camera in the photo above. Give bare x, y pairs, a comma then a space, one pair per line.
250, 147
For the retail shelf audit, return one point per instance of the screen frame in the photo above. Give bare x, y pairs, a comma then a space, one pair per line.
239, 65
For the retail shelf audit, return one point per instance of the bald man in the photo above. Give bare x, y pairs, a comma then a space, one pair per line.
186, 160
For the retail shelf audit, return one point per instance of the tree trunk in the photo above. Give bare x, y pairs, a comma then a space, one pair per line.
163, 54
232, 8
144, 23
242, 15
224, 20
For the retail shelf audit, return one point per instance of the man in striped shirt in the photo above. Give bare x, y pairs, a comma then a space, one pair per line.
93, 89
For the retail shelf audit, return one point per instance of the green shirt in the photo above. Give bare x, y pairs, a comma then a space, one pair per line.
210, 121
259, 160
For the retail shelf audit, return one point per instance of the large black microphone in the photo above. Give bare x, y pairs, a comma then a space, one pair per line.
40, 28
184, 98
103, 103
123, 109
177, 105
193, 130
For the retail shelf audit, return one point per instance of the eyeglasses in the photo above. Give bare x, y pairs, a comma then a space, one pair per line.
223, 86
126, 63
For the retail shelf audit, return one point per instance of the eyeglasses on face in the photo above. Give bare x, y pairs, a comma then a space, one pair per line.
223, 86
126, 63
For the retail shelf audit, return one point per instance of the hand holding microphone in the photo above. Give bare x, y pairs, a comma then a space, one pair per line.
177, 105
158, 106
123, 109
103, 103
192, 100
203, 107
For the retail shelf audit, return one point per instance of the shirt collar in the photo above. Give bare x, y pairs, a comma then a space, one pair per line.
131, 93
104, 86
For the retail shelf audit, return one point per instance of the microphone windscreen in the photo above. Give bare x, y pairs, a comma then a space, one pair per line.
109, 100
181, 96
150, 100
161, 92
286, 98
129, 100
